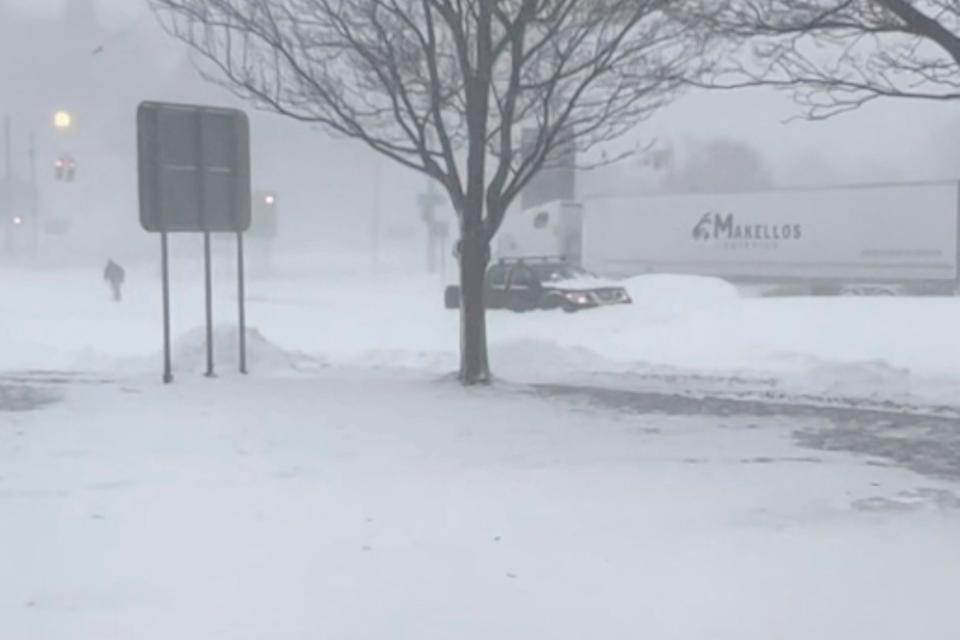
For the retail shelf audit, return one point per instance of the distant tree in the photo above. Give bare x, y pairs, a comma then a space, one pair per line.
445, 87
722, 164
813, 166
837, 55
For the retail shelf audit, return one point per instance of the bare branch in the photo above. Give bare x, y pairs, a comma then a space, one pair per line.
445, 87
838, 55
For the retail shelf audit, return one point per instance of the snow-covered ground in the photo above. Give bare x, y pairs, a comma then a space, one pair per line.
349, 489
699, 331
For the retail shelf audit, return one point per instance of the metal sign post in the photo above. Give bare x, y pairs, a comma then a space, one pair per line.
194, 167
241, 305
208, 302
165, 276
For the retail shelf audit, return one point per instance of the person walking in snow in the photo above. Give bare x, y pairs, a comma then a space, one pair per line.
114, 274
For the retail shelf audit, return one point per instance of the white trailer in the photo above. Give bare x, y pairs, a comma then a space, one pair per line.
553, 230
901, 237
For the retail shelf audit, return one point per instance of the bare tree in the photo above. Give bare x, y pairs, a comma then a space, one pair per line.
444, 87
837, 55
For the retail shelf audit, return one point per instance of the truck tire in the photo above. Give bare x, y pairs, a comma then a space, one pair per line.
451, 297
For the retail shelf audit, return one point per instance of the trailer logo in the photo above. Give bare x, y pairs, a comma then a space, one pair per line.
719, 227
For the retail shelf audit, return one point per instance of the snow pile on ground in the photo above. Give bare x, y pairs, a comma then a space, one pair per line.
899, 349
665, 296
343, 312
876, 381
438, 361
516, 359
847, 378
190, 352
529, 358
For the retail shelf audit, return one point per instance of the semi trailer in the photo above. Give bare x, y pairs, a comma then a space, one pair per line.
877, 238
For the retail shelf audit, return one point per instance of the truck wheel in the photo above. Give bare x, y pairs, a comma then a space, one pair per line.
451, 297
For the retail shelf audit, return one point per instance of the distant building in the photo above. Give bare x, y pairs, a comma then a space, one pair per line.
73, 62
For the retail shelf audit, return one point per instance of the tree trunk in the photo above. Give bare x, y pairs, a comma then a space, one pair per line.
474, 257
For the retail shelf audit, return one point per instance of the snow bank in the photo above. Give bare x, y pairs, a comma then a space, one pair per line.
190, 352
680, 292
534, 357
687, 326
876, 381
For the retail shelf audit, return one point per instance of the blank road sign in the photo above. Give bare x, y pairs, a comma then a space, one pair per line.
194, 166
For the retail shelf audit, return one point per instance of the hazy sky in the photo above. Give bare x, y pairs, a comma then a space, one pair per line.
115, 11
883, 141
883, 138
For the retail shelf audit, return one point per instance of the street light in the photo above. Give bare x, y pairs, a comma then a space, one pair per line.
62, 120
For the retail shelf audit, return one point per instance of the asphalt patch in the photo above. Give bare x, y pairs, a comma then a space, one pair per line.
925, 443
19, 398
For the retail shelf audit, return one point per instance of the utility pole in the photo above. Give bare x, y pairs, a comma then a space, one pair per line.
33, 166
7, 148
8, 180
375, 222
34, 195
429, 200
